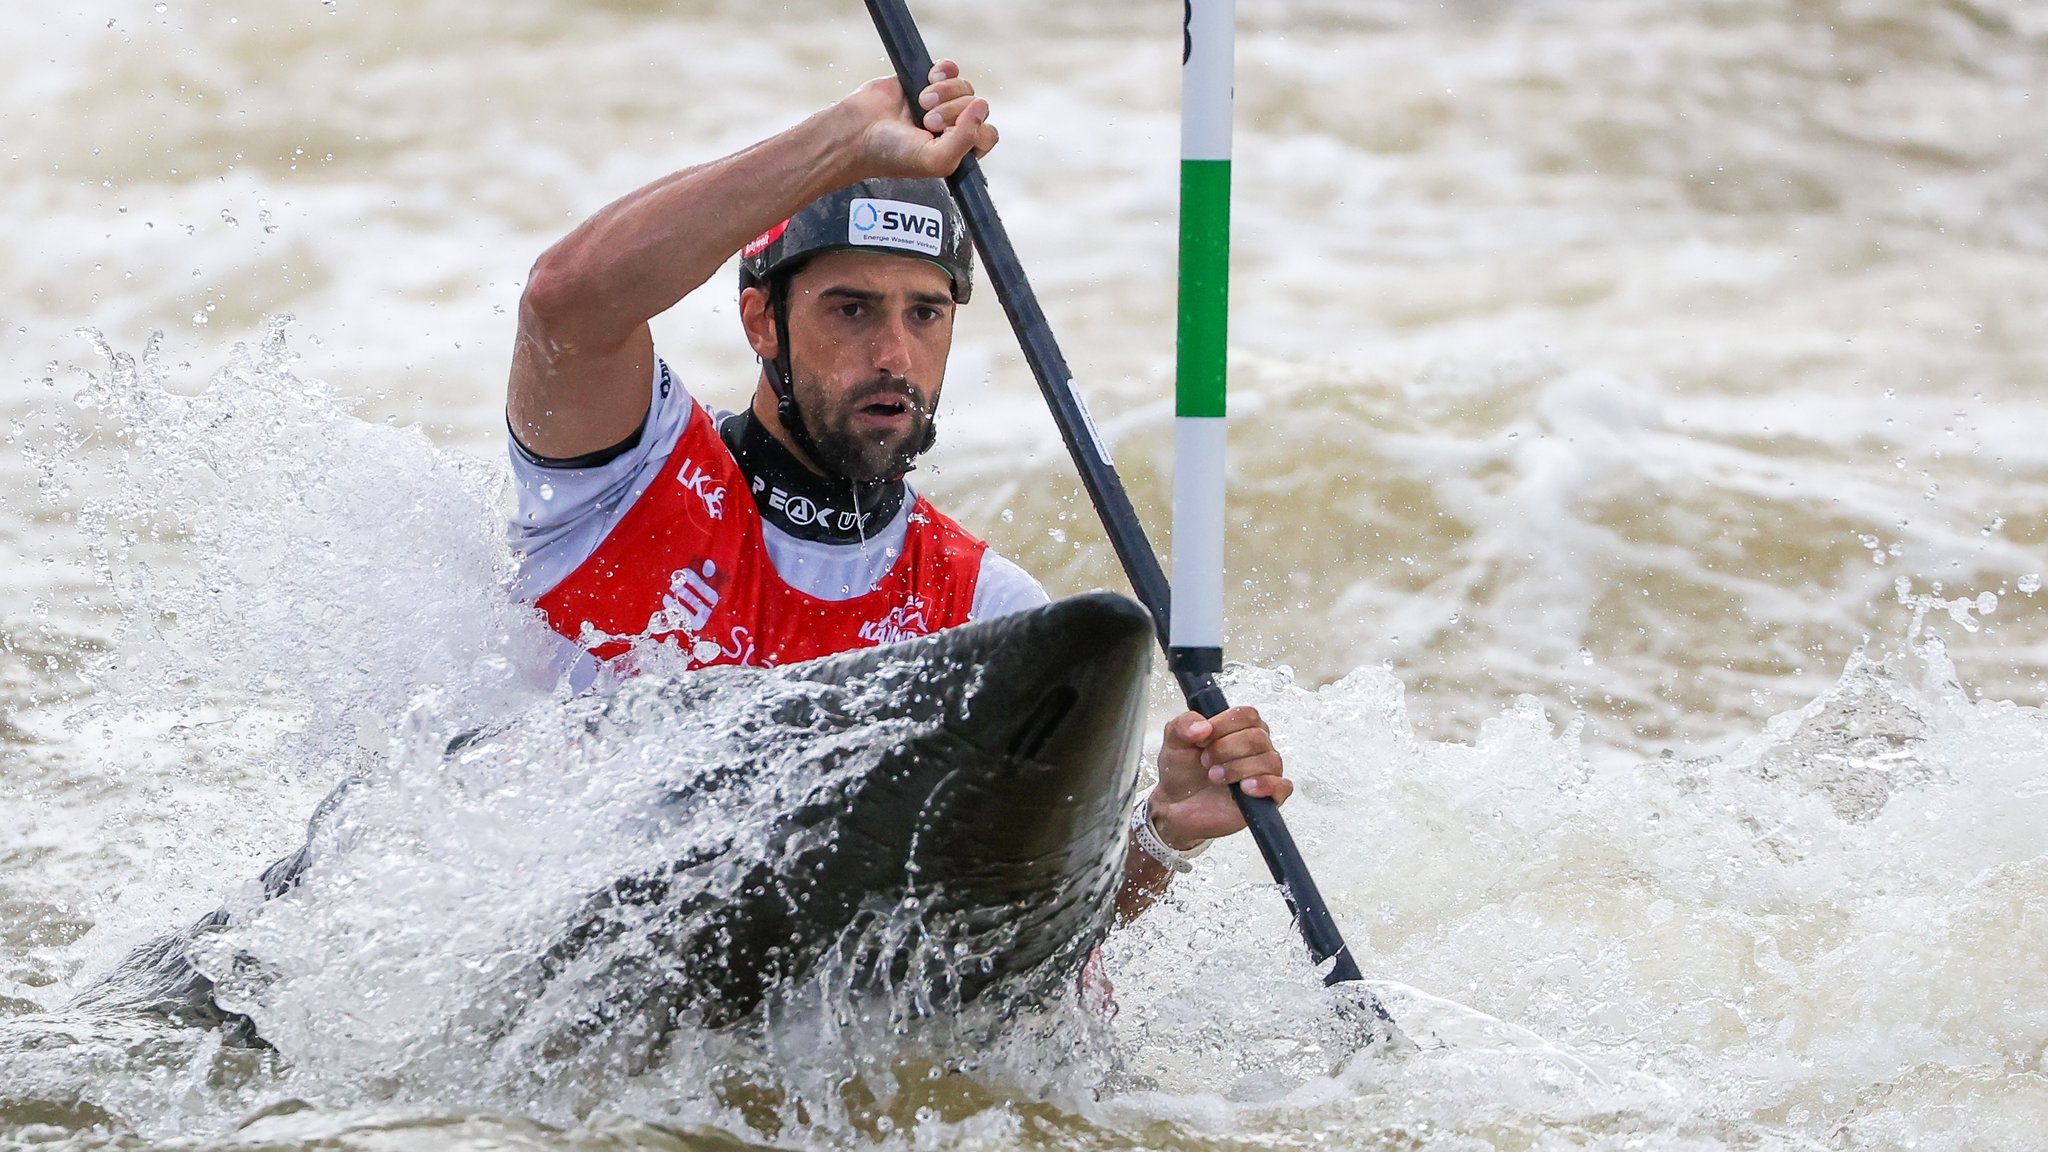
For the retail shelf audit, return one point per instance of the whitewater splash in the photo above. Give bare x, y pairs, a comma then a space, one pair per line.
1830, 933
262, 544
1826, 934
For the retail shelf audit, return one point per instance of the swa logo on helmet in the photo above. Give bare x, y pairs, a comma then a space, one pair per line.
895, 224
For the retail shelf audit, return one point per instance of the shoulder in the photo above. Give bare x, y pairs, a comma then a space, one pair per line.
1004, 588
927, 512
1000, 586
565, 509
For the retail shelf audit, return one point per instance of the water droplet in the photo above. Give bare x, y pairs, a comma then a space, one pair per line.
161, 7
1987, 603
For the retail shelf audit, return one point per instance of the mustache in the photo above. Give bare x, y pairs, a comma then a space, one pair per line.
887, 388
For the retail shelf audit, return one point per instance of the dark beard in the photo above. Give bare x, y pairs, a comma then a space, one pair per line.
871, 457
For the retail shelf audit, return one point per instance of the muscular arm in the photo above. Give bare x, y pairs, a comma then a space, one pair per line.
583, 353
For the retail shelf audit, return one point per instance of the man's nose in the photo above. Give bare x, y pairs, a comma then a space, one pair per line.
892, 349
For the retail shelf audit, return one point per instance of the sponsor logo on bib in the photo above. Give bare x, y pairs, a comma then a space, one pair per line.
902, 623
895, 224
695, 479
690, 601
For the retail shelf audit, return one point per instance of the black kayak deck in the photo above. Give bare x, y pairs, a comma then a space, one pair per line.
964, 841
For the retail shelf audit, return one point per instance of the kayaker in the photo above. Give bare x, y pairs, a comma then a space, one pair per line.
788, 531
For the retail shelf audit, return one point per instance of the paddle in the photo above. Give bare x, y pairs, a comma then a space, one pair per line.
1098, 475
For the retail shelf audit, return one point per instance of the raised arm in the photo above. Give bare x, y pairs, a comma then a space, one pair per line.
583, 354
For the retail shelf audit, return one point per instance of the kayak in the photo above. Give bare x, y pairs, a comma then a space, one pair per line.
943, 823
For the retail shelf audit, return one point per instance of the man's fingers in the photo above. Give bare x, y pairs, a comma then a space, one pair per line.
1265, 763
944, 93
954, 111
1239, 745
959, 137
1275, 788
1239, 719
951, 111
1187, 730
1199, 756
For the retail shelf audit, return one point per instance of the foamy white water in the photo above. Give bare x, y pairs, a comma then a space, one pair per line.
1599, 370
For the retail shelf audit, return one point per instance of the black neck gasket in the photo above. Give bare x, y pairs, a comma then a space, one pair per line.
827, 510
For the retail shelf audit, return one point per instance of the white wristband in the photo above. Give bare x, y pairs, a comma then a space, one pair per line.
1155, 845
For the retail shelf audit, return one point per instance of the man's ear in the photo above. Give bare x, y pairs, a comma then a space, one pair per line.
759, 321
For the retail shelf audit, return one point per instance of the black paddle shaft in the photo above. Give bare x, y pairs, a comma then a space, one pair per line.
1098, 475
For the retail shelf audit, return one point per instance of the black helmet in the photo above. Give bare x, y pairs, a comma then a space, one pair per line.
914, 217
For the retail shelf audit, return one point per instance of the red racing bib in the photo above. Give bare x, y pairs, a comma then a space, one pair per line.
687, 564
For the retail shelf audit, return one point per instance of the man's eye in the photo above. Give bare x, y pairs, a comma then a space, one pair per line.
850, 310
927, 313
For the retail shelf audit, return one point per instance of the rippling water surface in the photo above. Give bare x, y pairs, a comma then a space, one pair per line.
1639, 495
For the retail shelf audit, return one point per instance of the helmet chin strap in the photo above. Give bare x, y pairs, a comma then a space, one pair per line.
782, 379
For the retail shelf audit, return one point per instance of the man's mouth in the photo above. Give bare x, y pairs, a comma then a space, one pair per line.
886, 404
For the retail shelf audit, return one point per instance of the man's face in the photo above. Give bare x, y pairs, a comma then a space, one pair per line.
868, 337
